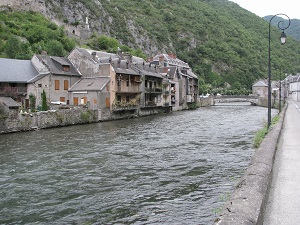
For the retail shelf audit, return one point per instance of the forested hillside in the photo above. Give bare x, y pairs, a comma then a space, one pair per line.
222, 42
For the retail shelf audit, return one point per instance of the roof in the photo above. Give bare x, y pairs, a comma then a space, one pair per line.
260, 84
148, 69
9, 102
56, 65
172, 60
16, 71
191, 74
121, 66
90, 84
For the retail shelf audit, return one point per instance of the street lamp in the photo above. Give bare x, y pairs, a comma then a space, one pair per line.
282, 40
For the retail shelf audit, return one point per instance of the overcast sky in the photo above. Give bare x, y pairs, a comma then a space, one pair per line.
271, 7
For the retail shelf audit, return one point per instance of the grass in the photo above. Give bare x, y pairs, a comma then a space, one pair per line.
261, 134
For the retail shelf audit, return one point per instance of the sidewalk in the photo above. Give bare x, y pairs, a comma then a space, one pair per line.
283, 206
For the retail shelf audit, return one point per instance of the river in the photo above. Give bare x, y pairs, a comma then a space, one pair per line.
177, 168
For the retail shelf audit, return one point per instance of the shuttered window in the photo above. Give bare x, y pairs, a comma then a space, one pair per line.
56, 84
66, 84
75, 101
107, 102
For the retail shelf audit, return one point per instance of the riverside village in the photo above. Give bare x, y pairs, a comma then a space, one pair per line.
91, 86
144, 135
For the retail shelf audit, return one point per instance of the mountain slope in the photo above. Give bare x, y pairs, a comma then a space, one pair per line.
222, 42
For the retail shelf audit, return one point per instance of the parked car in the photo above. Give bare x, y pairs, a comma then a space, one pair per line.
58, 103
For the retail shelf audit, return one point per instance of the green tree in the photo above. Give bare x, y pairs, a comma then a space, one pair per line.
12, 47
32, 101
55, 47
44, 101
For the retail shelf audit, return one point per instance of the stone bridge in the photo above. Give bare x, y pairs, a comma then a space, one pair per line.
253, 99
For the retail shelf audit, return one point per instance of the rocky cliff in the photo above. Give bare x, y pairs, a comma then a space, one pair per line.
82, 19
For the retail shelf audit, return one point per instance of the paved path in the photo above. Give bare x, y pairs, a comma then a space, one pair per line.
283, 207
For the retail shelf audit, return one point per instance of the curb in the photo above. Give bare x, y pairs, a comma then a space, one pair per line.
248, 201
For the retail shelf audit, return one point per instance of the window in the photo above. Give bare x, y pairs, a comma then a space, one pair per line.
75, 101
83, 101
56, 84
66, 68
39, 85
62, 99
107, 102
66, 84
127, 82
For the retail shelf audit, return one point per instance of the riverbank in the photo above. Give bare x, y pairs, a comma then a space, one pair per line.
248, 201
62, 116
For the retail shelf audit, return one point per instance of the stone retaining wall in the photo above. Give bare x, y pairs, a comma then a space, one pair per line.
248, 201
46, 119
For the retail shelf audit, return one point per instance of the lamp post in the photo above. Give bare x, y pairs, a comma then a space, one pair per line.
282, 40
279, 90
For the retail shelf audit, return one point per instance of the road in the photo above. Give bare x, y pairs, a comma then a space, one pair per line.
283, 206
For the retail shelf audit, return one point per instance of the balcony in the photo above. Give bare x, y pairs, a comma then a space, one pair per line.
153, 90
132, 89
125, 106
8, 90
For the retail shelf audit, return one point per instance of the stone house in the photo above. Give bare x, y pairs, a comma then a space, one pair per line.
133, 84
9, 107
184, 83
15, 77
293, 86
260, 88
152, 84
56, 76
122, 91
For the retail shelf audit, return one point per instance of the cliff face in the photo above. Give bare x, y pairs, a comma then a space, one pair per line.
81, 19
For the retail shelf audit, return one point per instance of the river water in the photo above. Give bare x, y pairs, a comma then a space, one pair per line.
177, 168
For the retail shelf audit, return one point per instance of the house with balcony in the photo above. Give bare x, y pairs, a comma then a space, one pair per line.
124, 86
153, 86
15, 76
183, 82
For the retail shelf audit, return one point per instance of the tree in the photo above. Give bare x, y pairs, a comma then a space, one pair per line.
12, 47
32, 99
55, 47
44, 101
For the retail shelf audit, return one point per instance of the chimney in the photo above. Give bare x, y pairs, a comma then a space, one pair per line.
171, 55
94, 55
44, 54
128, 57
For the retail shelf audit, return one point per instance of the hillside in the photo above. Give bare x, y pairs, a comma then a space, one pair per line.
222, 42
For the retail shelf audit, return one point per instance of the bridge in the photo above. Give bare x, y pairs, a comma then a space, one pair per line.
236, 98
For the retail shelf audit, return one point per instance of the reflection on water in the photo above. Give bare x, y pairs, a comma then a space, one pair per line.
166, 169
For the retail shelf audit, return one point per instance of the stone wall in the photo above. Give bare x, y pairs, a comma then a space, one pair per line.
203, 102
46, 119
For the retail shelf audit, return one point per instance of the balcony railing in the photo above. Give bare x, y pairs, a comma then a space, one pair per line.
10, 90
153, 90
122, 89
